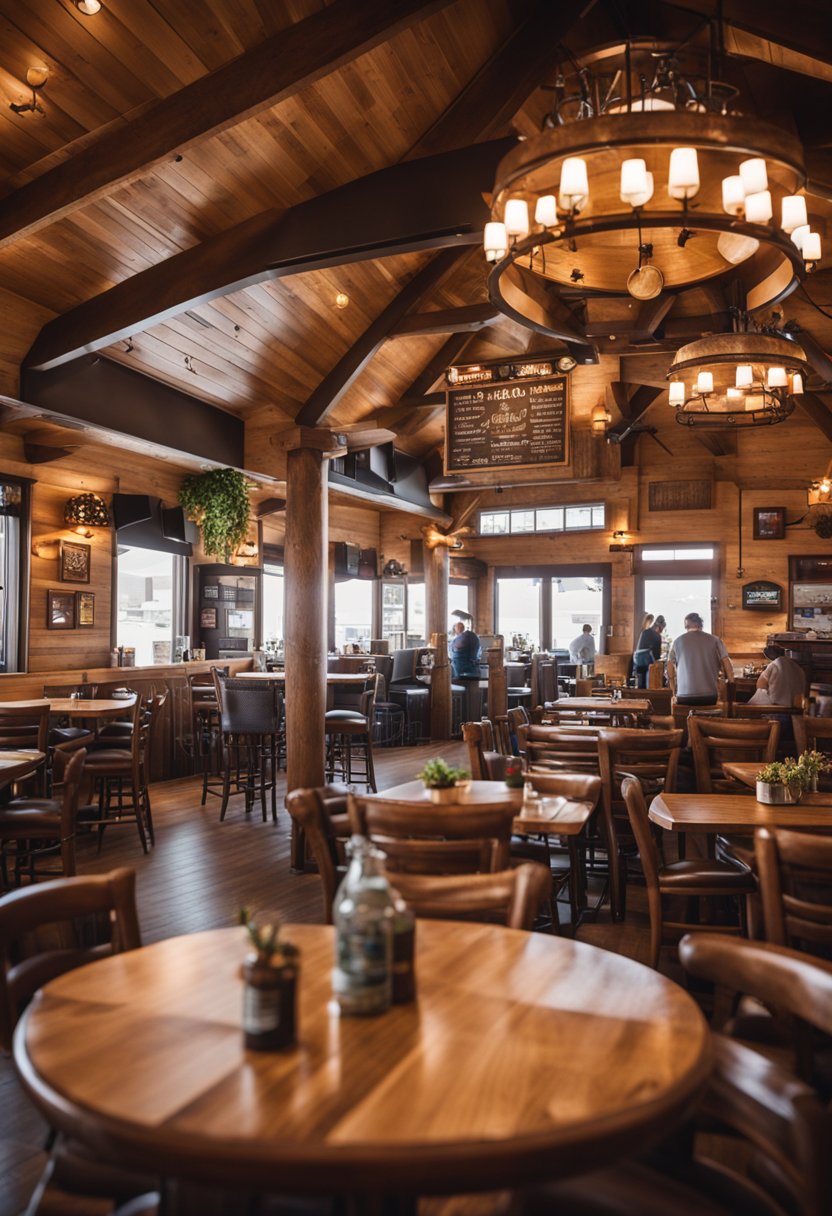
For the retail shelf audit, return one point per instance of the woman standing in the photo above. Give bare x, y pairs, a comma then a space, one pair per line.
649, 647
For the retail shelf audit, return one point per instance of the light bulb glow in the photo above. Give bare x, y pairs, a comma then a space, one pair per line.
811, 247
797, 384
753, 175
745, 376
495, 242
705, 383
574, 183
516, 217
639, 200
776, 377
546, 211
793, 212
633, 179
758, 208
733, 195
683, 173
677, 392
799, 235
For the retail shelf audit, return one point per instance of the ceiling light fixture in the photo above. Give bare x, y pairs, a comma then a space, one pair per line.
36, 78
88, 8
736, 380
637, 133
86, 511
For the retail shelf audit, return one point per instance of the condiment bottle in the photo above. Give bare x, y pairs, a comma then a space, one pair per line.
364, 913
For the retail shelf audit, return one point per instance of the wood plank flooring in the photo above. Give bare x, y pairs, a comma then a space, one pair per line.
199, 875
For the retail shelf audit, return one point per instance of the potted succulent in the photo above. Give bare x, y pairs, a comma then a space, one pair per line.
813, 764
442, 781
781, 783
270, 974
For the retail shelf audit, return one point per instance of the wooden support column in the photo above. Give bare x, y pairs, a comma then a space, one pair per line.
497, 683
436, 564
305, 557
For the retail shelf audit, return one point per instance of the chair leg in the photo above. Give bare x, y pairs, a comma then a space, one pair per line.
226, 779
371, 771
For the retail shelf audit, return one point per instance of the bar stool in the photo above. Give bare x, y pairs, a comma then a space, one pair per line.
388, 718
251, 718
349, 739
206, 728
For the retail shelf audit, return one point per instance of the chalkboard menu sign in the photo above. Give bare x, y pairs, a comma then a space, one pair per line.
505, 417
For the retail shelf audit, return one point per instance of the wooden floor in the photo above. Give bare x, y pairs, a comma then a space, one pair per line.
199, 875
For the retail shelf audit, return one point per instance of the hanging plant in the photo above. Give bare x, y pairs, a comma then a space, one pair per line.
218, 503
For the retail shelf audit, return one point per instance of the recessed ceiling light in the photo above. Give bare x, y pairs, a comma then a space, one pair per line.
342, 300
88, 8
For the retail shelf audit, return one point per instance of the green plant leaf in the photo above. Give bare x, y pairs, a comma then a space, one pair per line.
218, 502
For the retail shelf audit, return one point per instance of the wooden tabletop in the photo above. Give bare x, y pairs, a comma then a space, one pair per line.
746, 771
14, 765
604, 704
550, 815
100, 708
525, 1056
737, 813
332, 677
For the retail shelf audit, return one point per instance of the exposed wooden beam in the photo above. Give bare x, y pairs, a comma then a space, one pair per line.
818, 411
639, 404
333, 386
274, 70
466, 319
421, 205
806, 31
43, 453
620, 397
652, 313
435, 367
270, 506
819, 360
718, 443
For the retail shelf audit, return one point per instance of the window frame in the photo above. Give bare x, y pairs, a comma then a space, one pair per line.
24, 565
180, 607
511, 511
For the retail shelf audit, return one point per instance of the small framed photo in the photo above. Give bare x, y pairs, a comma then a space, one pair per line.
74, 562
60, 609
769, 523
85, 609
211, 591
208, 618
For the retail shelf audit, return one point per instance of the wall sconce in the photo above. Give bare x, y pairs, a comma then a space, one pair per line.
819, 491
601, 419
46, 548
621, 543
36, 78
86, 511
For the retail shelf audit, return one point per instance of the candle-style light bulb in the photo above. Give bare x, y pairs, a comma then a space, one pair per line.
705, 383
758, 207
745, 376
574, 183
753, 175
546, 211
677, 393
793, 212
733, 195
516, 217
495, 242
633, 179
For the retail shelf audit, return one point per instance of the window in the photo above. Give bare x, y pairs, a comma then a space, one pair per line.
677, 555
150, 602
458, 598
543, 519
273, 588
14, 556
354, 613
518, 611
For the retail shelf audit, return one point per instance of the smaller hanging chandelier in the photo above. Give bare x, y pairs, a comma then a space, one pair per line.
736, 380
86, 511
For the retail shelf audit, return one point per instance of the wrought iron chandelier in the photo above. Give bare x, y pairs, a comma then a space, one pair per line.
736, 380
646, 180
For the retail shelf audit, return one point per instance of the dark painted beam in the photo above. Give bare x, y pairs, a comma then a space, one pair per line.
333, 386
275, 69
423, 204
468, 318
639, 404
114, 398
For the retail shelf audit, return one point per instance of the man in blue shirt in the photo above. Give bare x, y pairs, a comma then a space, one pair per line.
465, 651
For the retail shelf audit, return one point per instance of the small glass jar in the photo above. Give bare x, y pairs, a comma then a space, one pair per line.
515, 776
269, 1002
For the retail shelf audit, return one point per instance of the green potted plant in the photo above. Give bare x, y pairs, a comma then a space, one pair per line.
813, 764
217, 501
442, 780
781, 783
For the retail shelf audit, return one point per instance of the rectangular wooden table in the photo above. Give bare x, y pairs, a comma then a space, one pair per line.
737, 813
332, 677
101, 709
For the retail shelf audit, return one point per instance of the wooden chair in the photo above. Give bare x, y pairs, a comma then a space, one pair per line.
206, 728
547, 684
795, 875
24, 728
45, 931
814, 734
69, 735
714, 741
513, 896
485, 762
554, 747
652, 756
578, 787
251, 717
692, 880
455, 838
321, 813
42, 828
777, 1161
119, 773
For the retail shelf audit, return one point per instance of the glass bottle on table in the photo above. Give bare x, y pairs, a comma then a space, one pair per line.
364, 913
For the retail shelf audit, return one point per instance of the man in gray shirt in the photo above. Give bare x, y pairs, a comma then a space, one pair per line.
694, 663
782, 682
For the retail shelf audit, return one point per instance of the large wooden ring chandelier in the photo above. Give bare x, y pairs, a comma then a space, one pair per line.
654, 193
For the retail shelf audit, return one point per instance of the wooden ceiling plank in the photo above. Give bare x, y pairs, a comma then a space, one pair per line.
468, 318
423, 204
818, 411
334, 385
254, 81
718, 443
448, 353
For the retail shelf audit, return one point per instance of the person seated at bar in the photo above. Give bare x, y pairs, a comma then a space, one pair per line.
465, 651
694, 663
782, 682
582, 648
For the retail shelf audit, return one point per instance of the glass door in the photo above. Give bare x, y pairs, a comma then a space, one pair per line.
518, 612
576, 602
674, 598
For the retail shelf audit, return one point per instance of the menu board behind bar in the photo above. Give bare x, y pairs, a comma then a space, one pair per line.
510, 423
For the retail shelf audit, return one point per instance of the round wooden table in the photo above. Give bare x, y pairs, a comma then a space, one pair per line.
14, 765
524, 1057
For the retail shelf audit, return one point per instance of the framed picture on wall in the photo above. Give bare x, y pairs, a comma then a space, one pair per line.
769, 523
85, 609
208, 618
60, 609
74, 564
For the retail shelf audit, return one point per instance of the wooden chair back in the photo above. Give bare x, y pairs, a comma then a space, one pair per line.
54, 927
431, 838
54, 830
321, 813
714, 741
635, 803
812, 734
795, 876
485, 762
652, 756
248, 708
613, 667
24, 727
515, 718
547, 683
655, 675
555, 747
579, 787
511, 896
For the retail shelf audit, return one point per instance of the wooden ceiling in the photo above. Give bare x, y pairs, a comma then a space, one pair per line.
185, 146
